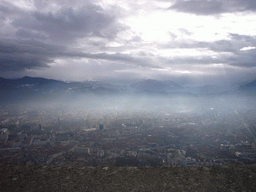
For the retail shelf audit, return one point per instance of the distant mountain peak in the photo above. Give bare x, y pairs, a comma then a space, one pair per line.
252, 84
156, 85
149, 85
27, 77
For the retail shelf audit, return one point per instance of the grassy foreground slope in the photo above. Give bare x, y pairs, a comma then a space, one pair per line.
71, 178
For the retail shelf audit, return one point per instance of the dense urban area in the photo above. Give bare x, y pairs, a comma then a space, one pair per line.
157, 138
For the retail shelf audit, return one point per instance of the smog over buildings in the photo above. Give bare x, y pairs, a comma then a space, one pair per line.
128, 83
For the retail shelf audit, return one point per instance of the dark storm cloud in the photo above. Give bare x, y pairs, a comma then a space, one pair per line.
23, 33
28, 46
17, 55
26, 54
210, 7
19, 62
36, 38
69, 24
8, 9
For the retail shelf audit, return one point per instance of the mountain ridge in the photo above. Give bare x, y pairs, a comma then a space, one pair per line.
39, 87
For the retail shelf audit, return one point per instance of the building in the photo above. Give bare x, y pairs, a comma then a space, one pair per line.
82, 150
101, 127
62, 136
4, 134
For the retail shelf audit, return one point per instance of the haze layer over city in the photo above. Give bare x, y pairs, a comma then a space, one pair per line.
142, 83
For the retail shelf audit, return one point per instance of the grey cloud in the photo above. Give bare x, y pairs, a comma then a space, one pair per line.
185, 31
225, 46
211, 7
232, 46
69, 24
28, 46
66, 24
24, 47
244, 59
185, 45
8, 9
47, 4
23, 33
136, 39
193, 60
17, 55
19, 62
27, 54
198, 7
244, 38
4, 9
126, 58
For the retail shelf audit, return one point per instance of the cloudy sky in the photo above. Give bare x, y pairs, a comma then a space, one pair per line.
200, 41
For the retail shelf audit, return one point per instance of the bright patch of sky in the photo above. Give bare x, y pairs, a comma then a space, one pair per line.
247, 48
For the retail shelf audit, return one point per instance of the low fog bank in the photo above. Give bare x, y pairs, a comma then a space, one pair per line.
98, 104
146, 96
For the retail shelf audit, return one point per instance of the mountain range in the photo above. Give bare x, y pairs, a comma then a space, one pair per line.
31, 87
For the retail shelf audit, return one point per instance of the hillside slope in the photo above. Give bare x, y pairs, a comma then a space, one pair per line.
70, 178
